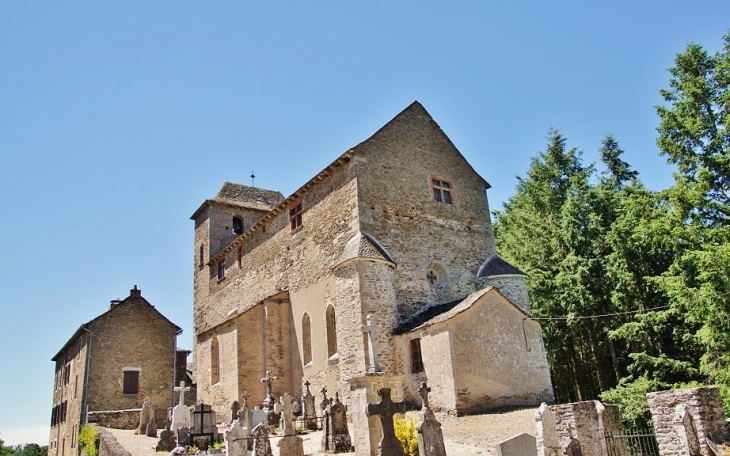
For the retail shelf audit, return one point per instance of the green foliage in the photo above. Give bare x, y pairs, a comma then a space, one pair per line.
89, 441
630, 397
29, 449
405, 431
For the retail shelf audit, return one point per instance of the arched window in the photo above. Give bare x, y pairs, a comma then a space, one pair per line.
214, 362
237, 225
306, 339
331, 331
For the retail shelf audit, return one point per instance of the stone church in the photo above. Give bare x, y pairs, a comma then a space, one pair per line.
398, 227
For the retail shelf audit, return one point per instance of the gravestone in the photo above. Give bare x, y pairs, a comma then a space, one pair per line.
291, 445
338, 437
370, 328
145, 415
237, 440
389, 445
326, 429
518, 445
244, 414
685, 429
261, 444
167, 439
183, 435
547, 440
181, 412
310, 414
287, 406
270, 402
151, 429
259, 416
430, 435
204, 424
234, 411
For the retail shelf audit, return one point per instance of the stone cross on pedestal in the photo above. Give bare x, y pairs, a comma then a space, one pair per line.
287, 406
423, 391
370, 328
182, 389
325, 402
310, 414
389, 445
270, 401
245, 397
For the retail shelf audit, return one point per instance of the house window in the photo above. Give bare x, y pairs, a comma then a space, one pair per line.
306, 339
222, 269
67, 374
200, 257
130, 384
416, 360
237, 225
331, 331
442, 190
239, 256
295, 215
214, 362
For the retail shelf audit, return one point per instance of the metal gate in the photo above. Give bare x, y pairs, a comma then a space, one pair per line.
632, 443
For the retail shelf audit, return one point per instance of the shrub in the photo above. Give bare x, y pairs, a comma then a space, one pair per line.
89, 441
405, 431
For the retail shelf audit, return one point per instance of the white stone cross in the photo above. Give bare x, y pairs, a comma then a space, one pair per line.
287, 407
370, 328
182, 389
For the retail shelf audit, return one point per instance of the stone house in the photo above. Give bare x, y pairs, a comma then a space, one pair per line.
397, 227
110, 364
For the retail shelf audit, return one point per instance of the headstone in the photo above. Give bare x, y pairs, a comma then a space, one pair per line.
370, 328
338, 437
287, 406
548, 443
685, 429
389, 445
573, 448
151, 430
270, 401
430, 435
204, 424
310, 414
237, 440
326, 429
183, 435
518, 445
244, 414
145, 415
325, 402
167, 439
261, 444
291, 445
259, 416
181, 412
234, 411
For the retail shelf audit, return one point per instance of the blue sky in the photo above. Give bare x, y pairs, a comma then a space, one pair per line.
118, 119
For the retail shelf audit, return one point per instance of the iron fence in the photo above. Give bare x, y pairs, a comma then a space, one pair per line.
641, 442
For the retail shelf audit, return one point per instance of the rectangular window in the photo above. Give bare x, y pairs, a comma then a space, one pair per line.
416, 360
442, 190
131, 382
67, 374
201, 261
222, 269
295, 215
240, 256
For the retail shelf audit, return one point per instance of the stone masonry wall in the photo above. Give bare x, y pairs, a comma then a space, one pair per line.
705, 414
116, 419
514, 288
587, 421
108, 445
132, 335
395, 167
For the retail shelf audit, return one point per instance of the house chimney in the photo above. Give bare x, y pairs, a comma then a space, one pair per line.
114, 302
135, 293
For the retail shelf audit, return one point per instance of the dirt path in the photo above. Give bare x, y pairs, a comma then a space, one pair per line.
464, 436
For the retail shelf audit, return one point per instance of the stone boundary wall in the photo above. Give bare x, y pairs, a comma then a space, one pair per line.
108, 445
684, 418
116, 419
586, 421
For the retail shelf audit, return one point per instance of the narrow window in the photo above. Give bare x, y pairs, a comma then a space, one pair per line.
214, 362
131, 382
67, 374
331, 331
263, 227
416, 360
200, 257
295, 215
76, 386
237, 225
306, 339
441, 190
222, 269
239, 256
